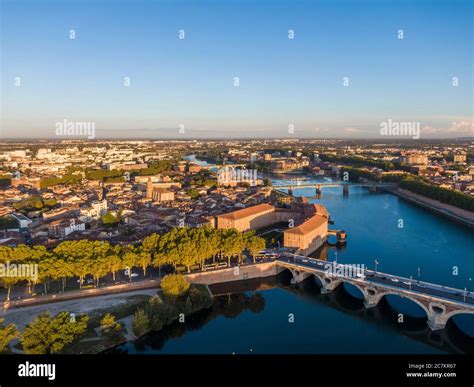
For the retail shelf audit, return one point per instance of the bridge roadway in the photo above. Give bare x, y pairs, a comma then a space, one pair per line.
439, 302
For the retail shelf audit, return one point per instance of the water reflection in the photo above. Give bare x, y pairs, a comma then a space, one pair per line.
233, 299
451, 339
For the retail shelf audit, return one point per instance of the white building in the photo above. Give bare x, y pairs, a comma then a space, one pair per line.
94, 212
22, 220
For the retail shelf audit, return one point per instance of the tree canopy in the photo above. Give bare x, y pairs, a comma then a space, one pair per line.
50, 335
7, 334
174, 285
109, 326
181, 247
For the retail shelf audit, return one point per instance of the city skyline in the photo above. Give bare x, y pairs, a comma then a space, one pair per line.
288, 88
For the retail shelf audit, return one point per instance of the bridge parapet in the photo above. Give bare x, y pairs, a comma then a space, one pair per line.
438, 309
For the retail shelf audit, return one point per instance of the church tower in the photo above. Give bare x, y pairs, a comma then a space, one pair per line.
149, 189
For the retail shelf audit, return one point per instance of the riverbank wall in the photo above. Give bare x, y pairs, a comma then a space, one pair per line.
454, 213
258, 270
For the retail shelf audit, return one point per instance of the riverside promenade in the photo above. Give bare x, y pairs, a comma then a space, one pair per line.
235, 273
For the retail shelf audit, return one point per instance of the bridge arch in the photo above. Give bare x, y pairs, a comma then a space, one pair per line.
363, 291
457, 312
319, 279
417, 302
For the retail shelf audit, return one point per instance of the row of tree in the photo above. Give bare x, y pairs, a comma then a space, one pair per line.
180, 247
69, 178
355, 173
202, 178
155, 168
444, 195
35, 203
360, 161
416, 185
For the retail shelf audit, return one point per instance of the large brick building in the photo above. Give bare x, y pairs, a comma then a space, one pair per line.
158, 194
310, 223
308, 236
250, 218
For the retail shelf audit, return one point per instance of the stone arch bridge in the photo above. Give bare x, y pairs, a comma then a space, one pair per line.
439, 302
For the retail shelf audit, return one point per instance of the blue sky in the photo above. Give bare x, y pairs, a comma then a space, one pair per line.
283, 82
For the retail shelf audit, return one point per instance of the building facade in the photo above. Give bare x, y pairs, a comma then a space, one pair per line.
250, 218
308, 236
310, 223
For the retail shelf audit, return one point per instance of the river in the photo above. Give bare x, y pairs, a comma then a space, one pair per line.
271, 316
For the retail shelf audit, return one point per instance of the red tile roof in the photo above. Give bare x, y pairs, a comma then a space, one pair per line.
307, 226
246, 212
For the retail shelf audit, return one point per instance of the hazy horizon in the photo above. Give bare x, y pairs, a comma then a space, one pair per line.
178, 139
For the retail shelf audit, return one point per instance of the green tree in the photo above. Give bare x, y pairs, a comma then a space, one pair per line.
254, 244
110, 220
34, 203
141, 323
186, 249
174, 285
100, 174
50, 335
168, 249
129, 261
61, 270
7, 222
160, 313
7, 334
232, 243
110, 328
153, 245
144, 260
114, 264
99, 268
193, 192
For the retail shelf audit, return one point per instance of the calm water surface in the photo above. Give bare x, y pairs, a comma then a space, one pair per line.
255, 317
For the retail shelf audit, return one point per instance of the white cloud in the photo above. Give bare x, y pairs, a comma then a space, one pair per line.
352, 130
462, 127
430, 130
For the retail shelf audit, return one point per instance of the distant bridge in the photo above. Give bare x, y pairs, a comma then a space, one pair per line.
243, 165
439, 302
298, 185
